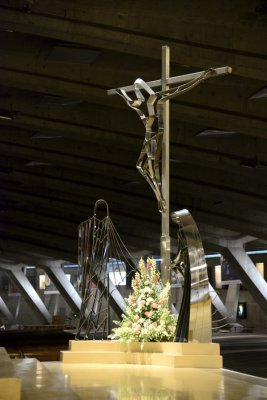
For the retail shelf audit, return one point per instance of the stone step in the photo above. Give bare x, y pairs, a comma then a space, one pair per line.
177, 355
147, 347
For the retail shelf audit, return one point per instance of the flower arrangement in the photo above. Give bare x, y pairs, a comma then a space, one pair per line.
147, 317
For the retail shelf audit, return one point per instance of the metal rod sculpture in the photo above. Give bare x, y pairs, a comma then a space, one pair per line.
101, 253
157, 136
156, 142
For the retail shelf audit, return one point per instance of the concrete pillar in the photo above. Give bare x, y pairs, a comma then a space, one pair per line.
117, 301
5, 311
232, 297
247, 272
64, 286
17, 276
220, 307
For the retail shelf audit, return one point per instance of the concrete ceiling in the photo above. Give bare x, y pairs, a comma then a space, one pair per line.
71, 144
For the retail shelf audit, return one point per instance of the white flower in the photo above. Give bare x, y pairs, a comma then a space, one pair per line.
149, 300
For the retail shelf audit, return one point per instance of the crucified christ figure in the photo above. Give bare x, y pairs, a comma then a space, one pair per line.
148, 163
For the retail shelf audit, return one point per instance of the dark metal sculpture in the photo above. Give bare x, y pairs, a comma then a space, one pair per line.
101, 254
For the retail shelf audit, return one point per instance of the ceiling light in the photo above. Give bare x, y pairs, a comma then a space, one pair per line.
39, 135
58, 100
217, 203
215, 132
133, 183
69, 52
7, 115
38, 164
260, 94
249, 163
6, 30
5, 170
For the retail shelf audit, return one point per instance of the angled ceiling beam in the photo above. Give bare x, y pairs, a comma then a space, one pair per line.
87, 30
111, 168
200, 114
17, 250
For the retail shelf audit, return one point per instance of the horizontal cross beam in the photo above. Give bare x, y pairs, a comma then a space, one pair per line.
173, 80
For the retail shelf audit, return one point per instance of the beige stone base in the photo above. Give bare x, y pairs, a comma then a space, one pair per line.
10, 385
10, 388
177, 355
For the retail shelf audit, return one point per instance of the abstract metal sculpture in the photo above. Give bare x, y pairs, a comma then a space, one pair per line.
102, 254
194, 320
149, 159
156, 142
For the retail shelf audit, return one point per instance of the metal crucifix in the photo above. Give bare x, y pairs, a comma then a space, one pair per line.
155, 117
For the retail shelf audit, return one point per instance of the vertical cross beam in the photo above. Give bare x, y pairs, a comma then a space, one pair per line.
165, 216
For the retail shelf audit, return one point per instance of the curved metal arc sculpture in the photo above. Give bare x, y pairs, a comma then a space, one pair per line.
194, 322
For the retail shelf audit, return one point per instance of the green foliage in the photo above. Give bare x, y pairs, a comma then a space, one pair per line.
147, 317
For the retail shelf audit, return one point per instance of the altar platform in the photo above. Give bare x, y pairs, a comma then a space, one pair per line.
57, 381
93, 381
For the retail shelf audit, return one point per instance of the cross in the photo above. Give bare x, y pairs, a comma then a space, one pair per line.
158, 142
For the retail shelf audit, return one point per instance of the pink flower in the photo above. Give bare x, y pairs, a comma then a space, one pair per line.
148, 314
155, 305
148, 265
137, 279
136, 317
137, 327
155, 324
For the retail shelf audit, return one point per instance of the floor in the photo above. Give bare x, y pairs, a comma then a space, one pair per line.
53, 380
246, 353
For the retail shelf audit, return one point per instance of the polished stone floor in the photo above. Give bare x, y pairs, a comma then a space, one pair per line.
246, 353
56, 381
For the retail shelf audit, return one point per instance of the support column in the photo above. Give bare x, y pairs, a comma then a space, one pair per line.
5, 311
248, 274
16, 275
220, 307
117, 301
246, 270
232, 297
72, 298
64, 286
